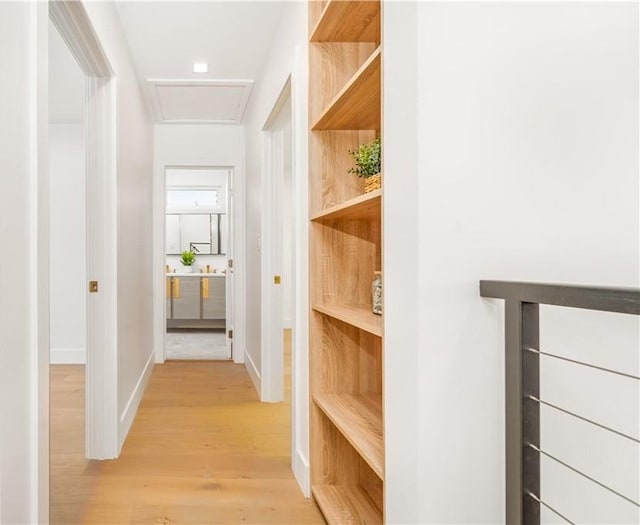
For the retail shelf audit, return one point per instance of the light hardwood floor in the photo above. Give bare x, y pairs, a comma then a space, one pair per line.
202, 450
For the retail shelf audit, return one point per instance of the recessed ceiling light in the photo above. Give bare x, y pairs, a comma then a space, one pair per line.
200, 67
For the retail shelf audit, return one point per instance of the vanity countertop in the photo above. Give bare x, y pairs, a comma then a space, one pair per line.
196, 274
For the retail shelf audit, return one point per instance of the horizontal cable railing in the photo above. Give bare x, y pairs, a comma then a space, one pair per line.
522, 387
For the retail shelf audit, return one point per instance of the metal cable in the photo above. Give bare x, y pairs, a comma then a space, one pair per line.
611, 371
539, 450
605, 427
549, 507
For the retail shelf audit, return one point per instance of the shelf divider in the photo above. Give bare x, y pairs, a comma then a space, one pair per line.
359, 316
346, 505
359, 420
366, 206
357, 105
348, 21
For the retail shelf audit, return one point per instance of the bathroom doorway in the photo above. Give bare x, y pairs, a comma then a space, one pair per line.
198, 263
83, 374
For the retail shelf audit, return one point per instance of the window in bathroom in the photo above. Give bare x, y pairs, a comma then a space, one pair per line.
193, 198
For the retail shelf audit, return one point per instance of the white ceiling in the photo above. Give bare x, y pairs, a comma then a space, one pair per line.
66, 82
233, 37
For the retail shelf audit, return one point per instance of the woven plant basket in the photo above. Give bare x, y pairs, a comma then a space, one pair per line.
372, 183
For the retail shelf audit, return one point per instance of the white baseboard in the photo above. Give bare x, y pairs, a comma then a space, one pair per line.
68, 356
130, 411
253, 372
301, 472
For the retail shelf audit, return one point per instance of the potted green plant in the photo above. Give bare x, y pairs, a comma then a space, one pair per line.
187, 258
367, 160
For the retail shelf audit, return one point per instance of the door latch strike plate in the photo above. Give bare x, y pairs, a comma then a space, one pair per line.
276, 279
93, 286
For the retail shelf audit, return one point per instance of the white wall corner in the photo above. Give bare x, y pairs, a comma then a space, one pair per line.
131, 409
302, 472
254, 373
68, 356
401, 265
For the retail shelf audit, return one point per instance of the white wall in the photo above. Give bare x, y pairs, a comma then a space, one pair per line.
528, 170
24, 260
287, 56
401, 266
199, 146
68, 243
134, 217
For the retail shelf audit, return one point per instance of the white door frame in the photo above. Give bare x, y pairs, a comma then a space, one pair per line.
72, 21
295, 86
230, 287
300, 213
159, 258
271, 341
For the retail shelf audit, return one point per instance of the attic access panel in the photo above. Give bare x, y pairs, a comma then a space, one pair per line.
200, 101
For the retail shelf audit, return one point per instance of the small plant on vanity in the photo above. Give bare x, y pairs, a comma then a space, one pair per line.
367, 160
187, 258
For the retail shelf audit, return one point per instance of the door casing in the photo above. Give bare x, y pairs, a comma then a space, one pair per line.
101, 372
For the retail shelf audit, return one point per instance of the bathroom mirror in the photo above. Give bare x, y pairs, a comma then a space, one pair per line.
201, 233
196, 219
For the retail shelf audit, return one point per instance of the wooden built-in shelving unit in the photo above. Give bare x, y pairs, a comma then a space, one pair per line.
346, 337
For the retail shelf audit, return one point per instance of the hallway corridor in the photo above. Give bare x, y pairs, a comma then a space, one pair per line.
202, 450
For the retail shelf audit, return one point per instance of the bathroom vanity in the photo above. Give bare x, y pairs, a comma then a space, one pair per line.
196, 300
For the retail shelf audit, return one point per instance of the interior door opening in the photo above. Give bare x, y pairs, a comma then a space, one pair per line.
281, 351
278, 268
199, 263
67, 266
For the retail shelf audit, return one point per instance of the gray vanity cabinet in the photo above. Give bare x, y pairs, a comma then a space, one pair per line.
186, 305
169, 295
196, 301
214, 306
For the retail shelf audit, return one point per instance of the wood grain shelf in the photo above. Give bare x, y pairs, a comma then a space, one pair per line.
346, 246
348, 21
359, 420
359, 316
365, 206
357, 105
346, 505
